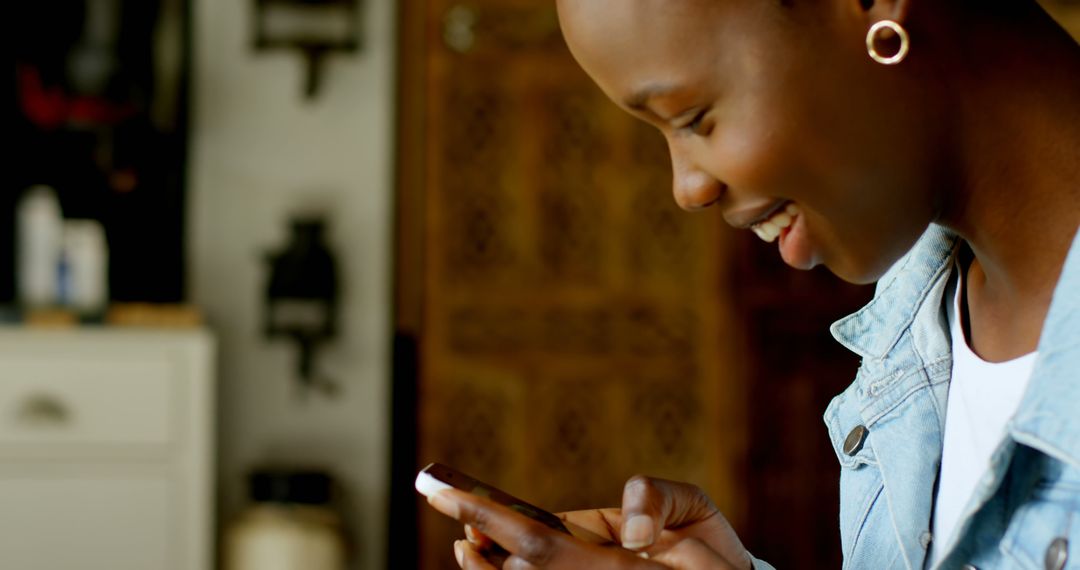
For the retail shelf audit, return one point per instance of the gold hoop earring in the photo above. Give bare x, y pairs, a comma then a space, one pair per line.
871, 38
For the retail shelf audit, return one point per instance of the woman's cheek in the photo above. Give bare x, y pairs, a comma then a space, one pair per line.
756, 160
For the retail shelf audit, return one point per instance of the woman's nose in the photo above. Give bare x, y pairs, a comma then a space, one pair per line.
693, 187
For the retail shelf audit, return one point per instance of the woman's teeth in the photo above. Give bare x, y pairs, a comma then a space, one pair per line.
770, 228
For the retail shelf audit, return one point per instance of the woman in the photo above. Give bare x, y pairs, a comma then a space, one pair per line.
930, 145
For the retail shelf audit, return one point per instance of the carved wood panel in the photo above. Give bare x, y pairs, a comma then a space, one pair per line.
572, 327
575, 329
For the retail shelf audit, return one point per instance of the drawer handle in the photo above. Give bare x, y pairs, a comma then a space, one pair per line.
44, 409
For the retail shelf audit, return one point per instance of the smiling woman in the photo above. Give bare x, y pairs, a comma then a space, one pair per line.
762, 83
932, 147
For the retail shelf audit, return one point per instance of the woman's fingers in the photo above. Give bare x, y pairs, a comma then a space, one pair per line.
651, 505
469, 558
518, 563
692, 554
528, 539
658, 514
478, 539
595, 526
531, 544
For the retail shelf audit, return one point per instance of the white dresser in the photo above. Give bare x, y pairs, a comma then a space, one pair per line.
106, 449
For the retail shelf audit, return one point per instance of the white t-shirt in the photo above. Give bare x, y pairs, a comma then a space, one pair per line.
983, 396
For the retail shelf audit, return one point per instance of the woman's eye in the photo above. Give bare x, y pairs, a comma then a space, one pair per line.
697, 124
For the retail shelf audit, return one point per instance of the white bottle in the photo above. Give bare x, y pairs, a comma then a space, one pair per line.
290, 526
285, 537
38, 244
86, 257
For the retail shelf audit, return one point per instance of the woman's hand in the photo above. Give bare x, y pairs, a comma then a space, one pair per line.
657, 514
692, 532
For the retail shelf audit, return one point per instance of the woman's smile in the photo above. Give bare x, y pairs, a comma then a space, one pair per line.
781, 220
743, 139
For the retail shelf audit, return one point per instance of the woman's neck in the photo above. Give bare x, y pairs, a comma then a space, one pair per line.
1014, 186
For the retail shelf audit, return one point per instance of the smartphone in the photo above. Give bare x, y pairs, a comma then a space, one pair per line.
437, 477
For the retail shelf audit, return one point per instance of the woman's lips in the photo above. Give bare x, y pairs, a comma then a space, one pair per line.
780, 219
795, 246
753, 215
789, 225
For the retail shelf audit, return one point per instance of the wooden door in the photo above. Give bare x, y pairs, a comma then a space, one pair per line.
573, 326
561, 325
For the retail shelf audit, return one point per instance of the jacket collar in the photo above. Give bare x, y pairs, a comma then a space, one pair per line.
875, 329
1048, 418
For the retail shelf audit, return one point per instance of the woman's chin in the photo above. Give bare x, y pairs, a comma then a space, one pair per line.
857, 273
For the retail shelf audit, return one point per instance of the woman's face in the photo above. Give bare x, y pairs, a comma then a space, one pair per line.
765, 106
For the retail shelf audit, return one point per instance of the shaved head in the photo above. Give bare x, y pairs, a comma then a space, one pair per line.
764, 104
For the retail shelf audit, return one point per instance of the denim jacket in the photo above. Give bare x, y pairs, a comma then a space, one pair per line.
887, 430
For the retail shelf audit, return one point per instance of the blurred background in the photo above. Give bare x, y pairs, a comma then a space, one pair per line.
262, 260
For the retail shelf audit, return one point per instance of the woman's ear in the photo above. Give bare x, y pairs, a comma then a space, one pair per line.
885, 22
877, 10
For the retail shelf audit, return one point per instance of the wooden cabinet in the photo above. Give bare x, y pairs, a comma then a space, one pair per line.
106, 450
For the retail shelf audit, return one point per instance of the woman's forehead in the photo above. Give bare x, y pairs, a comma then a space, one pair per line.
620, 20
621, 41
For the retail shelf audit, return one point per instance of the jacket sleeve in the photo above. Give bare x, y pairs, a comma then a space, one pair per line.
759, 564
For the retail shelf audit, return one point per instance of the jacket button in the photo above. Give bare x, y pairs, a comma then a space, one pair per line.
855, 439
1057, 553
925, 539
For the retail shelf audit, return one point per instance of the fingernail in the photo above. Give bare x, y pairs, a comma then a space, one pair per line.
637, 532
470, 534
444, 504
459, 553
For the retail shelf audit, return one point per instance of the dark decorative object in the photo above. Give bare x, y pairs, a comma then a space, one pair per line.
290, 487
312, 27
302, 297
